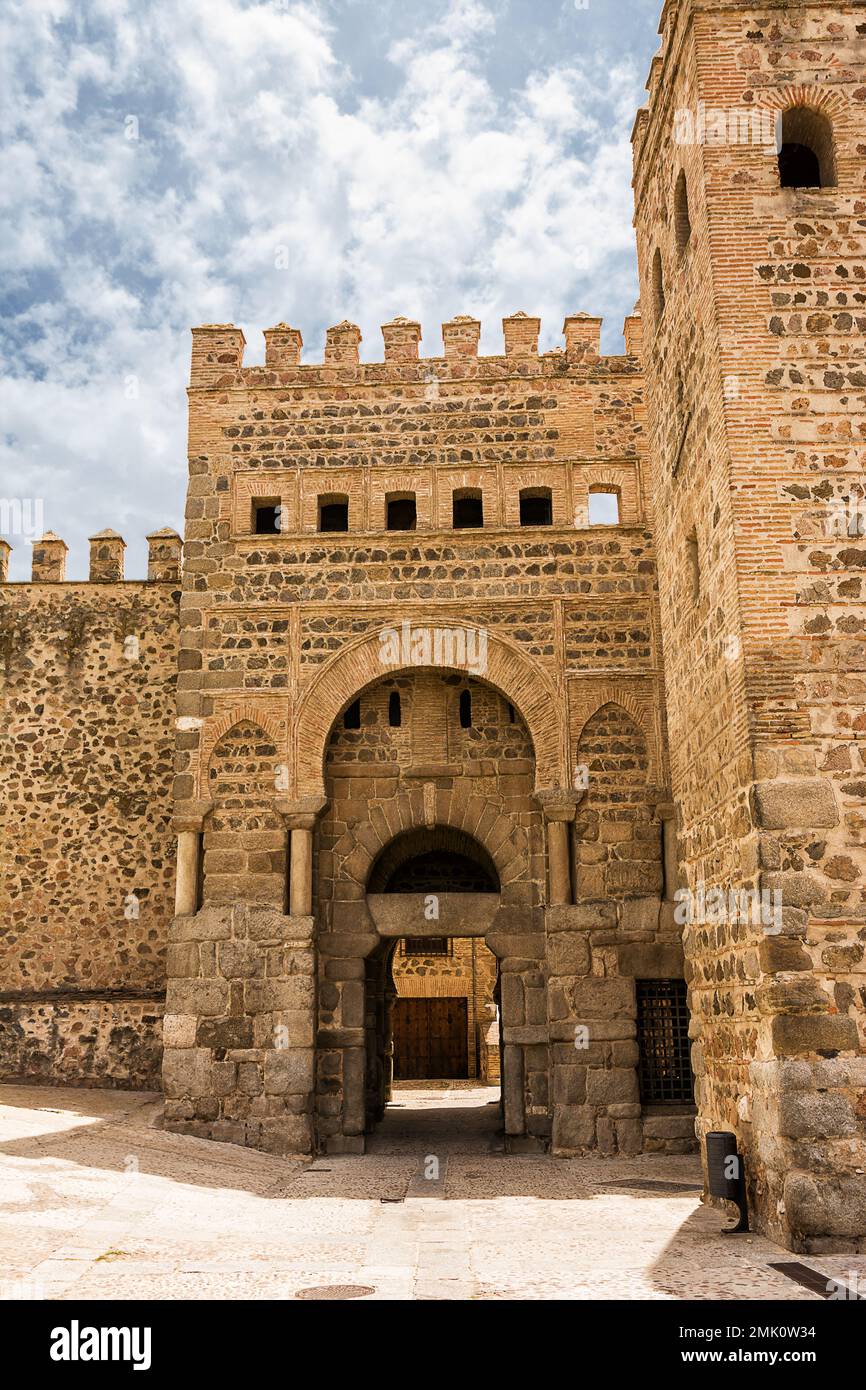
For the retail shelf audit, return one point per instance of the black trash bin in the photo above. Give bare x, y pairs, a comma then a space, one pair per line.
725, 1174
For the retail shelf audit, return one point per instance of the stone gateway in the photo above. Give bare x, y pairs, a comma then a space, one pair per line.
532, 673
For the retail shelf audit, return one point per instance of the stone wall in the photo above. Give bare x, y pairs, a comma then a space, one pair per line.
754, 357
87, 884
239, 1027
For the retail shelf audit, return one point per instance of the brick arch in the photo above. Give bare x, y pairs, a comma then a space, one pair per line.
632, 707
265, 728
815, 95
519, 680
507, 844
244, 712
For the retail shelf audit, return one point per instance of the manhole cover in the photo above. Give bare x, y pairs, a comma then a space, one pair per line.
337, 1291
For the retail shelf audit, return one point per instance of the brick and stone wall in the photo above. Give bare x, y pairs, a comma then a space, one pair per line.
753, 334
87, 884
282, 632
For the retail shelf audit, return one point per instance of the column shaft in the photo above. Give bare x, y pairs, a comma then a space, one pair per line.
186, 881
301, 873
558, 856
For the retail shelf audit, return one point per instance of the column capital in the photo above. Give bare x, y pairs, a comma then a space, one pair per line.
301, 814
663, 806
190, 815
558, 803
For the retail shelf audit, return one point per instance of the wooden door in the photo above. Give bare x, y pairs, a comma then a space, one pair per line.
430, 1039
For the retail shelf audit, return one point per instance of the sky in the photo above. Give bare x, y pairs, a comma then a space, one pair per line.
258, 161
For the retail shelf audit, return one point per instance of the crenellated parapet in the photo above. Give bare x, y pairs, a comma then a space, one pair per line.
218, 352
107, 549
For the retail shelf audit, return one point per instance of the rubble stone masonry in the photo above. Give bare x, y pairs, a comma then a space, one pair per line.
87, 889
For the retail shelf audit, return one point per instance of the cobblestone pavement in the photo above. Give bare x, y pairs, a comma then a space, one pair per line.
97, 1201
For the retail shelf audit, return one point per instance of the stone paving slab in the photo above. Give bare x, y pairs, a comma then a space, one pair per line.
98, 1202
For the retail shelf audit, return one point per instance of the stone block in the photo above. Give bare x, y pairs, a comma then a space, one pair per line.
289, 1071
266, 996
569, 1085
568, 953
249, 1078
782, 953
605, 1136
825, 1205
597, 998
809, 803
179, 1030
210, 924
573, 1127
807, 1115
629, 1136
669, 1126
240, 960
648, 960
182, 959
186, 1072
225, 1032
606, 1087
512, 1008
203, 998
796, 1035
580, 916
639, 914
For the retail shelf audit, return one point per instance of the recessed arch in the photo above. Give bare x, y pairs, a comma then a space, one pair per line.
485, 656
433, 854
682, 220
658, 286
806, 154
638, 714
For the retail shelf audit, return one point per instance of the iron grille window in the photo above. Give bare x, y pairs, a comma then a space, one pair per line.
663, 1035
425, 946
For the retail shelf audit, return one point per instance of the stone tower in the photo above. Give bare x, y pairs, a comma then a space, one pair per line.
750, 196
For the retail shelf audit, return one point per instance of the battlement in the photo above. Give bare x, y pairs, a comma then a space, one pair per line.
106, 558
218, 350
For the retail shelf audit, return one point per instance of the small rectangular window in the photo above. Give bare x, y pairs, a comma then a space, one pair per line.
425, 946
333, 513
467, 509
266, 516
536, 507
604, 508
401, 514
663, 1040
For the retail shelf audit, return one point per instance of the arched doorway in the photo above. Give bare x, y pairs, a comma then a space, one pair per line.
432, 995
432, 842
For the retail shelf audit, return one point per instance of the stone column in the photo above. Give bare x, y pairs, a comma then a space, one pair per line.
558, 806
186, 882
300, 818
301, 871
188, 824
666, 812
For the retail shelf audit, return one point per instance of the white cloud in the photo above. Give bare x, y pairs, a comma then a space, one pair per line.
450, 191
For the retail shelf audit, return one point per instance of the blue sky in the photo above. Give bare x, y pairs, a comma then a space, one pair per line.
168, 164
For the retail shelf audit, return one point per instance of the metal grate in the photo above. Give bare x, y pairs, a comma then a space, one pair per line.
663, 1035
425, 946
